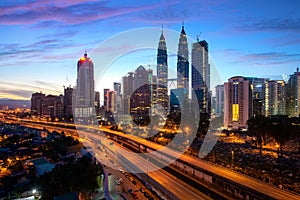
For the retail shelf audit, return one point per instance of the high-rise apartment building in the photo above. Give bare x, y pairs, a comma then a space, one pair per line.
37, 103
238, 102
111, 101
162, 73
257, 86
48, 105
183, 62
293, 94
274, 98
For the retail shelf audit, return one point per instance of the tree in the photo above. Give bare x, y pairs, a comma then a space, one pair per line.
203, 124
258, 127
80, 175
280, 130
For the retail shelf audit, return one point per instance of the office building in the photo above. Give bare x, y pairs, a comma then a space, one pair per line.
201, 76
183, 61
162, 73
140, 100
85, 92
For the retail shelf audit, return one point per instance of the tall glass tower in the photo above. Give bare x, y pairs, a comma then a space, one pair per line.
201, 75
85, 92
183, 61
162, 73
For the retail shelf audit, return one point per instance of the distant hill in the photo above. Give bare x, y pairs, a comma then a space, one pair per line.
12, 104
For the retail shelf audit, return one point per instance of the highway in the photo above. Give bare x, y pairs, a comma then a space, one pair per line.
240, 179
246, 181
177, 187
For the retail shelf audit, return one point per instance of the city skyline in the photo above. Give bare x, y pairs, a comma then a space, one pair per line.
51, 41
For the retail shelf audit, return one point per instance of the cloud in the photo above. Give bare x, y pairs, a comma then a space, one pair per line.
17, 53
263, 58
275, 24
66, 13
17, 90
15, 93
63, 34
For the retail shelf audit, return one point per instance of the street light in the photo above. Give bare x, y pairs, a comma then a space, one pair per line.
232, 158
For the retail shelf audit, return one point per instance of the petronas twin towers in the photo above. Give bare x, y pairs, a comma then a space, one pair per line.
200, 71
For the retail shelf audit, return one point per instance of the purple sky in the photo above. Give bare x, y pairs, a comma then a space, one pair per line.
41, 41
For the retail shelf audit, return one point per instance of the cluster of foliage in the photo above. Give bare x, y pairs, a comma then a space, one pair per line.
79, 175
58, 145
279, 127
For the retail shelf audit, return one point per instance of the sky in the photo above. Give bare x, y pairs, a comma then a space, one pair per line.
41, 41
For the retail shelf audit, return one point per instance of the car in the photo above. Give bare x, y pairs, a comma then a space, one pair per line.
120, 179
118, 182
130, 190
142, 190
131, 178
150, 198
134, 182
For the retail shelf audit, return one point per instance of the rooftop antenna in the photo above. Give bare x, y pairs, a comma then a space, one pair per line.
67, 81
297, 68
162, 28
197, 38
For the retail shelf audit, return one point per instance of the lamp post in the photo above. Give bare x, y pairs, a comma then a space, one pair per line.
232, 158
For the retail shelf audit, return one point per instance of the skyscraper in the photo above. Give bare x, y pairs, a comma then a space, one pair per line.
201, 75
97, 102
238, 102
68, 98
85, 93
162, 73
111, 101
140, 101
274, 98
117, 88
183, 61
219, 100
105, 91
257, 86
293, 94
127, 90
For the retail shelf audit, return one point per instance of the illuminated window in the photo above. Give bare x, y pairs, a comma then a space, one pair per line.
235, 112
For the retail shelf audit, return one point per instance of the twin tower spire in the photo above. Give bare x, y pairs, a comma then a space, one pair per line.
162, 67
199, 66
